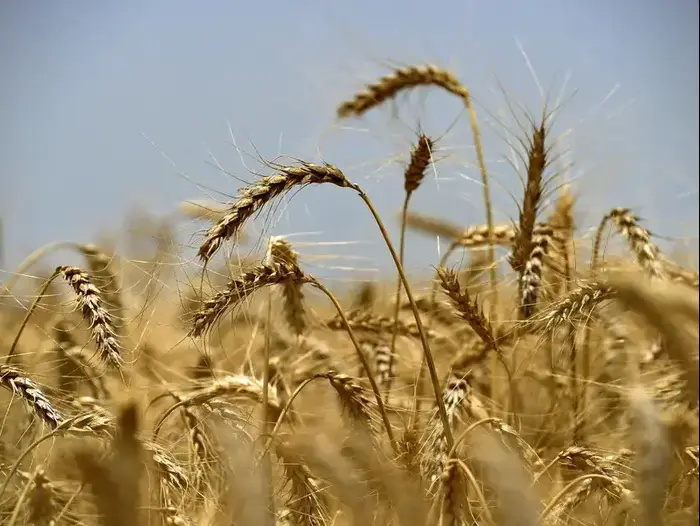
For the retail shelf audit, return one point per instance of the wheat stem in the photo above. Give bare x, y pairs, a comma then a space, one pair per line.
363, 359
416, 314
43, 290
397, 307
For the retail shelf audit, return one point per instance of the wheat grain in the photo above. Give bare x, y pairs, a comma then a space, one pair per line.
94, 313
255, 196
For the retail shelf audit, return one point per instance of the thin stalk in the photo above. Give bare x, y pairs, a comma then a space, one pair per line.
267, 465
585, 369
493, 277
397, 308
20, 502
416, 314
487, 201
28, 315
363, 359
35, 256
574, 379
418, 394
64, 426
286, 408
477, 490
464, 434
64, 510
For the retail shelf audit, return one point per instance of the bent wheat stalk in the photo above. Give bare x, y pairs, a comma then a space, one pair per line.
429, 75
255, 196
93, 312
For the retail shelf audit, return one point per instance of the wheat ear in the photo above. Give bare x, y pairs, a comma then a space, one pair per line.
530, 279
255, 196
252, 198
281, 251
275, 273
20, 384
421, 157
470, 312
94, 313
638, 237
103, 273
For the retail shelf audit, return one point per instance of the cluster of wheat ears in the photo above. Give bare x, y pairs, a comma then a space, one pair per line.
569, 399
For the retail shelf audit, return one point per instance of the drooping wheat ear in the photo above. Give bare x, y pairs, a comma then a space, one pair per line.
238, 289
604, 475
20, 384
92, 418
638, 237
233, 385
509, 435
585, 460
281, 252
197, 436
577, 305
94, 313
257, 195
306, 505
172, 473
399, 80
254, 197
104, 274
531, 273
353, 398
269, 275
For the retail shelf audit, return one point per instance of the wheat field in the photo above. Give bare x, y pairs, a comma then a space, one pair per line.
556, 387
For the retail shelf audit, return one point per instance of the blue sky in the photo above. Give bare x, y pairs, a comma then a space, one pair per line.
107, 106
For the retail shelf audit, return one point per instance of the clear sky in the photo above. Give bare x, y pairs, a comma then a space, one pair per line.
105, 106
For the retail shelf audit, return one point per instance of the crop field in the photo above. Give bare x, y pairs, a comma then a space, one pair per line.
531, 376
